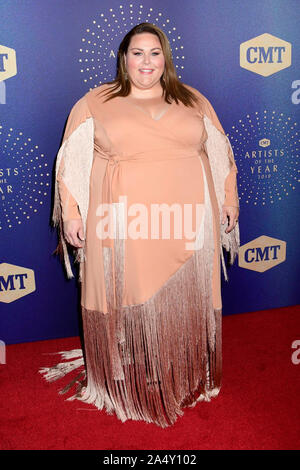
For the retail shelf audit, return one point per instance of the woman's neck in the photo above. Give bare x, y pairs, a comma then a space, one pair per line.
155, 92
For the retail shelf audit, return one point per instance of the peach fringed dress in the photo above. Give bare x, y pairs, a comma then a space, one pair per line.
151, 307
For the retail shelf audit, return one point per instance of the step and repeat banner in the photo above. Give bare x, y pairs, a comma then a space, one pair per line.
243, 56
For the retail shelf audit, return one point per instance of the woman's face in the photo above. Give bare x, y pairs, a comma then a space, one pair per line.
144, 60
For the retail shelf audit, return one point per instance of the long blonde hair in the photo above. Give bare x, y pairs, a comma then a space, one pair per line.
170, 83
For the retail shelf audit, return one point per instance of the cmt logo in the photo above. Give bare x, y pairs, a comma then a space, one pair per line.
265, 54
262, 254
15, 282
8, 68
264, 142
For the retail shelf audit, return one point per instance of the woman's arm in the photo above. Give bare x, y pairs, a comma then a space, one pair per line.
230, 185
231, 193
68, 204
222, 162
66, 212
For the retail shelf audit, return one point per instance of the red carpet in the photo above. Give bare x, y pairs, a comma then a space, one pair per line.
258, 406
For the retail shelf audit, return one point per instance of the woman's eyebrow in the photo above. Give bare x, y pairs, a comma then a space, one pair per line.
143, 49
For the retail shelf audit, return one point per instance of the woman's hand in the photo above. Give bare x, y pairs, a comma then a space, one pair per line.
233, 214
73, 232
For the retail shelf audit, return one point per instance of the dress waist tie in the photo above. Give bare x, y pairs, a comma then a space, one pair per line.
113, 251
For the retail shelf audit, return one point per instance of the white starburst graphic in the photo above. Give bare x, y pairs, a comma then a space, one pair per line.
266, 148
24, 178
102, 38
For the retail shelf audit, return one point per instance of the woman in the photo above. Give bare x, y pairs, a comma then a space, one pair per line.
151, 305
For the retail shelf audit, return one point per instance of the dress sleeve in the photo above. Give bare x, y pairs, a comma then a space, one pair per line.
72, 174
230, 184
69, 207
224, 171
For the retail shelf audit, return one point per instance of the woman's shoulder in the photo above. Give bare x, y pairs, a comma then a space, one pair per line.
192, 89
93, 94
98, 93
84, 107
205, 107
203, 100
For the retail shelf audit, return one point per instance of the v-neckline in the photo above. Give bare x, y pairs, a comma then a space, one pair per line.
157, 119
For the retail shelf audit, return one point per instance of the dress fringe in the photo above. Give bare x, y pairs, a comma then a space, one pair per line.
148, 361
167, 365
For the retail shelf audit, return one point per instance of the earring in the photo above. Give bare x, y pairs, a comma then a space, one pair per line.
126, 75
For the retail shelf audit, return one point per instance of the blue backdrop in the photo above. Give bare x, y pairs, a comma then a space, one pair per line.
243, 56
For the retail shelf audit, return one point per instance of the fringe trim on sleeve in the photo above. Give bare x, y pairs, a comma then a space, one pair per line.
220, 156
77, 152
